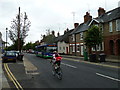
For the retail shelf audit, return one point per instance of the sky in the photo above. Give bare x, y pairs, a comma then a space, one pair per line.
56, 15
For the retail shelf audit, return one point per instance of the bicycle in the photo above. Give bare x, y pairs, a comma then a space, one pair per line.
56, 70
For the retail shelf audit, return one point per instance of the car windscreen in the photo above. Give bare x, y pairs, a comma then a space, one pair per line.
10, 54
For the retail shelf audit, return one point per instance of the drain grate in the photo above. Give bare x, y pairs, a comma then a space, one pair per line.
32, 72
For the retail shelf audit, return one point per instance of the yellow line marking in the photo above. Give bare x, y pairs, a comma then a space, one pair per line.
10, 76
93, 63
18, 86
14, 77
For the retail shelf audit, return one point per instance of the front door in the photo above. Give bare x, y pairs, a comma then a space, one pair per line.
66, 50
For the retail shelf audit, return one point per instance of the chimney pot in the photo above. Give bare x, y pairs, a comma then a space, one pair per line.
87, 17
76, 25
101, 11
58, 34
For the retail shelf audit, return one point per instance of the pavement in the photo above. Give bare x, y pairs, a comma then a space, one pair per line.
27, 70
109, 62
3, 79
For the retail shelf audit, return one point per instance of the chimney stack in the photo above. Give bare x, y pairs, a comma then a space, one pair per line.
101, 11
76, 25
87, 17
58, 34
65, 31
53, 33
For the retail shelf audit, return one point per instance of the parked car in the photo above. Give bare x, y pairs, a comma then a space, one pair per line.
9, 56
19, 55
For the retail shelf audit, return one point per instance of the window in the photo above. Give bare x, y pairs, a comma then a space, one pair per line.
78, 48
96, 25
99, 47
73, 37
118, 25
63, 48
73, 47
81, 36
102, 46
110, 27
60, 48
101, 27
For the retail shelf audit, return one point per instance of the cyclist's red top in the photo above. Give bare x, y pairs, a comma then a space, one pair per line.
58, 58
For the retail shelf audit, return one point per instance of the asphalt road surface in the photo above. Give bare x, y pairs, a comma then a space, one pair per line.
75, 74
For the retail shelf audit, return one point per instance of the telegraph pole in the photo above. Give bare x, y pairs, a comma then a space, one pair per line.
6, 37
19, 30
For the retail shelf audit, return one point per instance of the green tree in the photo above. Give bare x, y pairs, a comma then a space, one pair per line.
49, 38
93, 38
28, 46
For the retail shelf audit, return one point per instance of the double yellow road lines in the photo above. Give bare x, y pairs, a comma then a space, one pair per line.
12, 78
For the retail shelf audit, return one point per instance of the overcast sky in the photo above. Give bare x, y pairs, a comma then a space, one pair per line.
50, 14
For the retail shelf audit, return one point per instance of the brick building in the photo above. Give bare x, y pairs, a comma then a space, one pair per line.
110, 22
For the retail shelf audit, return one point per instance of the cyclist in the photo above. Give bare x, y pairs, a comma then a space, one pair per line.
56, 58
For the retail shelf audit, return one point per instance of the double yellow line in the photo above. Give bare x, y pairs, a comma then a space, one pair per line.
12, 78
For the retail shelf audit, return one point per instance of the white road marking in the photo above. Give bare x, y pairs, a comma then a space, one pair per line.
69, 65
108, 77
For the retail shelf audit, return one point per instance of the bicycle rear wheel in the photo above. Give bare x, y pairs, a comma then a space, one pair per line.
59, 74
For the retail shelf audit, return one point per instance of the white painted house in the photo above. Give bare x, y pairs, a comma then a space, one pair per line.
63, 42
63, 47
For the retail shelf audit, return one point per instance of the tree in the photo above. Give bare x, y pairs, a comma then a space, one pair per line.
19, 29
48, 38
93, 38
29, 45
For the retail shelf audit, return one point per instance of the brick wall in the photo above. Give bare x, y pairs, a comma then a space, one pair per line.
114, 39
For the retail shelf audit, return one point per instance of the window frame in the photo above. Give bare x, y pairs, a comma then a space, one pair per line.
73, 48
73, 37
110, 27
118, 25
78, 48
81, 35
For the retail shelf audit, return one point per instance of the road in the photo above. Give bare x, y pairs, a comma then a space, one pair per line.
75, 74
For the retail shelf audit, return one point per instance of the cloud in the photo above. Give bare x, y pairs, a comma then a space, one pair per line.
50, 14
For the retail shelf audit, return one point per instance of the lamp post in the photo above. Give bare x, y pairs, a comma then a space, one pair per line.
6, 37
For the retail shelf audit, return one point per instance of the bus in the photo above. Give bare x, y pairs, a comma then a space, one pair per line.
46, 51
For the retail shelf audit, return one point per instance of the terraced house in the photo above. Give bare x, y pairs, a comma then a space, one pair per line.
76, 37
63, 42
108, 22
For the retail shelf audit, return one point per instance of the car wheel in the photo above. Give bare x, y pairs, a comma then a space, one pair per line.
3, 61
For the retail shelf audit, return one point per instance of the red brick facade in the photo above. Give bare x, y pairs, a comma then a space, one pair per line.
112, 45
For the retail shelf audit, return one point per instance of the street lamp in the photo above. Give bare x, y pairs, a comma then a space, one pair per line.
6, 37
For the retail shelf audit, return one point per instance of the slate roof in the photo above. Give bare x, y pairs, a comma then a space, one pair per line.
58, 38
110, 15
64, 37
81, 28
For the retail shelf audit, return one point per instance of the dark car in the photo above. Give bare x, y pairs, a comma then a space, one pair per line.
19, 55
9, 56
